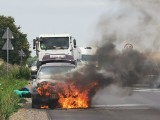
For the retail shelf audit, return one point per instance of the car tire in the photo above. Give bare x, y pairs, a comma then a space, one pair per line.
53, 103
35, 103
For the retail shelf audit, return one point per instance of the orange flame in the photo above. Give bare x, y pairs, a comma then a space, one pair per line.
44, 107
43, 89
72, 96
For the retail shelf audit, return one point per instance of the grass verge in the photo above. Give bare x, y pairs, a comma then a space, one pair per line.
15, 79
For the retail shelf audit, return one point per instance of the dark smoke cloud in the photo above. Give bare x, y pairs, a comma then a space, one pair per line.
126, 21
124, 69
136, 22
127, 67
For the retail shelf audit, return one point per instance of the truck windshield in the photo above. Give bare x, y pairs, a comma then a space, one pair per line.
48, 43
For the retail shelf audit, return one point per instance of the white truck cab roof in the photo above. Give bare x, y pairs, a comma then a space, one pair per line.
54, 35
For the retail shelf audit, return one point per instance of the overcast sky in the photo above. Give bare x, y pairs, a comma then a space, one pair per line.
76, 17
133, 21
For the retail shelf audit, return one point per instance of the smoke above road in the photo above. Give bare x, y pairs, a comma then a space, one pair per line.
133, 21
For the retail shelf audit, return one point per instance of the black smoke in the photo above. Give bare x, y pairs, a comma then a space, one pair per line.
135, 22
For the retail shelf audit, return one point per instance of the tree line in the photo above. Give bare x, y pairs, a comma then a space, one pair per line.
19, 42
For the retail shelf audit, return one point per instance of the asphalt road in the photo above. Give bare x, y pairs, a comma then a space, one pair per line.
142, 104
105, 114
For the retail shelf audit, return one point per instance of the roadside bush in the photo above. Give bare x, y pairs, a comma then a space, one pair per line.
24, 72
14, 79
8, 99
15, 71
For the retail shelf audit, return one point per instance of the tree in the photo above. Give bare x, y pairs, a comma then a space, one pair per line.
19, 42
31, 59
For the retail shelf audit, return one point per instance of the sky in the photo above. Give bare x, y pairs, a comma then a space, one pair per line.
90, 22
75, 17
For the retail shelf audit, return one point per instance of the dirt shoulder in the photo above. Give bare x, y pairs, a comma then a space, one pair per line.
28, 113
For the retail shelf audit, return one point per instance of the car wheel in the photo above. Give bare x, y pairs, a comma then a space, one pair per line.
35, 103
53, 103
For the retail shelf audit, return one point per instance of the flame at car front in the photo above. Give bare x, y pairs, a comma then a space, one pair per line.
70, 95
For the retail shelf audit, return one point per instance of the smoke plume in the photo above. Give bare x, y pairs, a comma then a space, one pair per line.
126, 21
133, 21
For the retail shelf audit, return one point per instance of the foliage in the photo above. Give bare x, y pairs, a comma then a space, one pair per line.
19, 42
15, 71
31, 59
15, 79
8, 99
24, 72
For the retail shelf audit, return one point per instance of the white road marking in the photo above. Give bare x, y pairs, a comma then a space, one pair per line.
122, 106
146, 90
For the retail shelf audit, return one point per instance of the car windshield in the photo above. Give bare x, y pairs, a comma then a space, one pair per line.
48, 71
48, 43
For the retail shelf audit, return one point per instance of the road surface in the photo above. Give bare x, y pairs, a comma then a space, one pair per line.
142, 104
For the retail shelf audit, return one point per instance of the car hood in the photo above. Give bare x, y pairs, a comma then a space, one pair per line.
37, 81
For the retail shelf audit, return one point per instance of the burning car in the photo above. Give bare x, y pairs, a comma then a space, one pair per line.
58, 84
44, 95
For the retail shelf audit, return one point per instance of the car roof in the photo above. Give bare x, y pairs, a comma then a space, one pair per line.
58, 64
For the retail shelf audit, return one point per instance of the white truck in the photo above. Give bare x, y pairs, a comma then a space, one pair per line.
88, 55
55, 44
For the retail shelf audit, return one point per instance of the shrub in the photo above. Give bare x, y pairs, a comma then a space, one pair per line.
24, 72
15, 71
14, 79
8, 99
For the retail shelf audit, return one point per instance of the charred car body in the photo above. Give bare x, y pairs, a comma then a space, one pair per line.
50, 72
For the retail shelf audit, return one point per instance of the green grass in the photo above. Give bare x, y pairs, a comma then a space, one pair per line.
16, 79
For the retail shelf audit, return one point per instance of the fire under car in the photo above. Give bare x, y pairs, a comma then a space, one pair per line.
49, 74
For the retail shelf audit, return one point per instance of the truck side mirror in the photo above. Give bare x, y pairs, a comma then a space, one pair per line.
74, 42
34, 43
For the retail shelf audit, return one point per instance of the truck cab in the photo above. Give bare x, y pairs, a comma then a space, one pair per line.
55, 44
